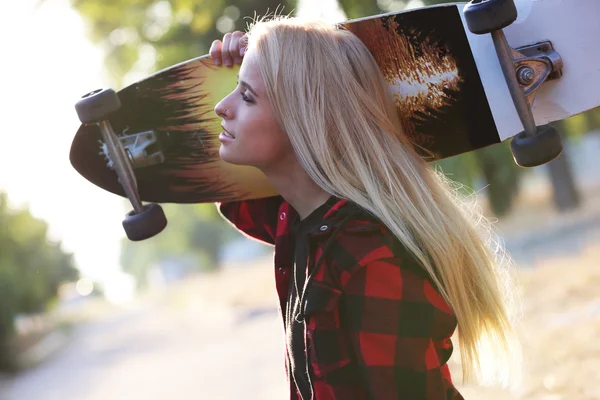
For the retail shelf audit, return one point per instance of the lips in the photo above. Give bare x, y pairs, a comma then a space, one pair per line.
227, 133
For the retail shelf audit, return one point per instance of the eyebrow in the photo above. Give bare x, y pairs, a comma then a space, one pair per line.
247, 86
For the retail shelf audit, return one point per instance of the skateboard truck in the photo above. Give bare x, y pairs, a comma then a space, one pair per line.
144, 221
139, 147
536, 64
524, 70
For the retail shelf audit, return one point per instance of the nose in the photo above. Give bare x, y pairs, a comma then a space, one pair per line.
220, 109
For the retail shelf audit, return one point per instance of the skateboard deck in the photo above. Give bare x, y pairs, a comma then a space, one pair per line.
447, 84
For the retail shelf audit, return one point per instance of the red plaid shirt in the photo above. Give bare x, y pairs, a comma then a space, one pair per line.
376, 327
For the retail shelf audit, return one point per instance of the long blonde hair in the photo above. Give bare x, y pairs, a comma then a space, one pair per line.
330, 97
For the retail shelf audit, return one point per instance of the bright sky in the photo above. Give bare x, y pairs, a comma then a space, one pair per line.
48, 64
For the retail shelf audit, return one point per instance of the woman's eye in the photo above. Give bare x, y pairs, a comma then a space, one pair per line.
246, 98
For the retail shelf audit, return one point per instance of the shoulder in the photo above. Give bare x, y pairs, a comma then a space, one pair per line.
385, 268
366, 259
365, 239
256, 218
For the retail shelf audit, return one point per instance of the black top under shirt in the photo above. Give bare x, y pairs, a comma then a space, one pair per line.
298, 365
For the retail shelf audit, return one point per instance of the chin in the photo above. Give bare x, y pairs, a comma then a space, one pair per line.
226, 156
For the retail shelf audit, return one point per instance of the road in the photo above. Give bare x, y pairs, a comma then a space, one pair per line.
148, 352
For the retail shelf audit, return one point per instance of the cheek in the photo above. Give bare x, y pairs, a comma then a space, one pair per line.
280, 146
270, 141
266, 144
260, 128
259, 140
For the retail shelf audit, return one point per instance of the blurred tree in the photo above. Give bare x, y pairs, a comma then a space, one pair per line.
359, 8
195, 232
142, 36
491, 167
149, 35
576, 127
31, 269
592, 120
434, 2
503, 176
565, 193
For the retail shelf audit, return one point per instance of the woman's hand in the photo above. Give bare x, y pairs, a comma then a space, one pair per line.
229, 51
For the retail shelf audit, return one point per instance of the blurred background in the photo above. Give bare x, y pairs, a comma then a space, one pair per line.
191, 313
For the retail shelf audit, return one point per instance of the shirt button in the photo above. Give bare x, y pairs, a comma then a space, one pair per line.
282, 216
323, 228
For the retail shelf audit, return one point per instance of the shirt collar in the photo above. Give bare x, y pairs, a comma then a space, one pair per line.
339, 210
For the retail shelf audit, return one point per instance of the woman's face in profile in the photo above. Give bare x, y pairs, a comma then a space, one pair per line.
251, 135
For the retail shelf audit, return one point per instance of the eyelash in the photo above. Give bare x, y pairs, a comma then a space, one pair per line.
246, 98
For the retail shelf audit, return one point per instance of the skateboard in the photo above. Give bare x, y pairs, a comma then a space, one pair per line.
464, 76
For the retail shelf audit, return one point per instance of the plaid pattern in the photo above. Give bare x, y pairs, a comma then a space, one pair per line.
376, 327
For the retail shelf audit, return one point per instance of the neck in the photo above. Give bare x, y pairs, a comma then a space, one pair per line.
297, 188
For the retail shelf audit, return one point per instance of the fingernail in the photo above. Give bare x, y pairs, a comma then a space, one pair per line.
217, 62
227, 63
242, 51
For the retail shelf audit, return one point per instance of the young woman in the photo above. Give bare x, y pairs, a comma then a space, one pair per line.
377, 260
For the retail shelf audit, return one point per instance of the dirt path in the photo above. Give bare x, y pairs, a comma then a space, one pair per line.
219, 337
148, 352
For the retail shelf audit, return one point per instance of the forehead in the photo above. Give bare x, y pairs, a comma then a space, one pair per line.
249, 71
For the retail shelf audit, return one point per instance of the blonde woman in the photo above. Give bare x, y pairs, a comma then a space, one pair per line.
377, 262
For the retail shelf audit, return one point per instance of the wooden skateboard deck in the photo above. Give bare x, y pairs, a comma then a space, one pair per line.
447, 83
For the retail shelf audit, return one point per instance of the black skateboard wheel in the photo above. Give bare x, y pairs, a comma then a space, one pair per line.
150, 222
96, 106
486, 16
543, 147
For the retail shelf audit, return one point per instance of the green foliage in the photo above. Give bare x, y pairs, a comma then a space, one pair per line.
173, 30
195, 235
577, 126
434, 2
145, 36
492, 167
31, 267
360, 8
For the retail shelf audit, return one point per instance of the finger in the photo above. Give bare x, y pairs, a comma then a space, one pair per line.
225, 54
215, 51
235, 47
243, 45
